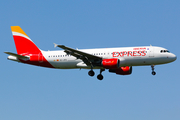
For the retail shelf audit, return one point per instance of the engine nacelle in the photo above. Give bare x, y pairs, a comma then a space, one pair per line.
112, 63
122, 70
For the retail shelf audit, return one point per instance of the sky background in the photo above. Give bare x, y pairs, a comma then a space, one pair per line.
36, 93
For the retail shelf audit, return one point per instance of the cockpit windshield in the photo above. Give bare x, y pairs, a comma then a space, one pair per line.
164, 51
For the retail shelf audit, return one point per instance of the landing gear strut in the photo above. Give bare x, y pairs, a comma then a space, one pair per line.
91, 72
100, 76
153, 72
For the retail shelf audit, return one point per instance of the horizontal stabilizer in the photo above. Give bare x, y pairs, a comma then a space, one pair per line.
16, 55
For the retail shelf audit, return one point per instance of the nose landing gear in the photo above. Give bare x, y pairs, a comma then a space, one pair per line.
153, 72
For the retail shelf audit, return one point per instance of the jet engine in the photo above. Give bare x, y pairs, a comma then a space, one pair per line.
127, 70
113, 63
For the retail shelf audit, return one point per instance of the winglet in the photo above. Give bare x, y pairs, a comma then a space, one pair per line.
55, 45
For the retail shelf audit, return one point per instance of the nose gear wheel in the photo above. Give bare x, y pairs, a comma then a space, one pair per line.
153, 72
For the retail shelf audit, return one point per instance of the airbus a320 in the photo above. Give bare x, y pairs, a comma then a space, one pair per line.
116, 60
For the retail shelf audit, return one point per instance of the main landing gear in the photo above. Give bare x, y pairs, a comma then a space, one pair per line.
153, 72
99, 77
91, 73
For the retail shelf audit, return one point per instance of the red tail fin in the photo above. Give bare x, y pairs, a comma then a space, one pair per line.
24, 45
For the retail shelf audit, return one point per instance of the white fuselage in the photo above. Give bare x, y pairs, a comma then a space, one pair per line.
128, 56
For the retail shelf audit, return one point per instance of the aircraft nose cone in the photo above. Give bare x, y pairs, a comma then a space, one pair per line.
173, 57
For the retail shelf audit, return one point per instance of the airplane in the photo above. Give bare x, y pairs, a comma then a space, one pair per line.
116, 60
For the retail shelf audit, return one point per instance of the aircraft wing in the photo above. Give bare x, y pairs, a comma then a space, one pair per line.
87, 58
17, 55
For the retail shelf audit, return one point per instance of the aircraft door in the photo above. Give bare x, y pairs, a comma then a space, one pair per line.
151, 51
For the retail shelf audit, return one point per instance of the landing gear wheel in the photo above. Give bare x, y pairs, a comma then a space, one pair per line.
99, 77
153, 73
91, 73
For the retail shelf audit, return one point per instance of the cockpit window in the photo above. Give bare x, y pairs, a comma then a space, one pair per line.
164, 51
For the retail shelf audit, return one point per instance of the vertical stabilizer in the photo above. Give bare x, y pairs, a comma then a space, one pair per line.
24, 45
